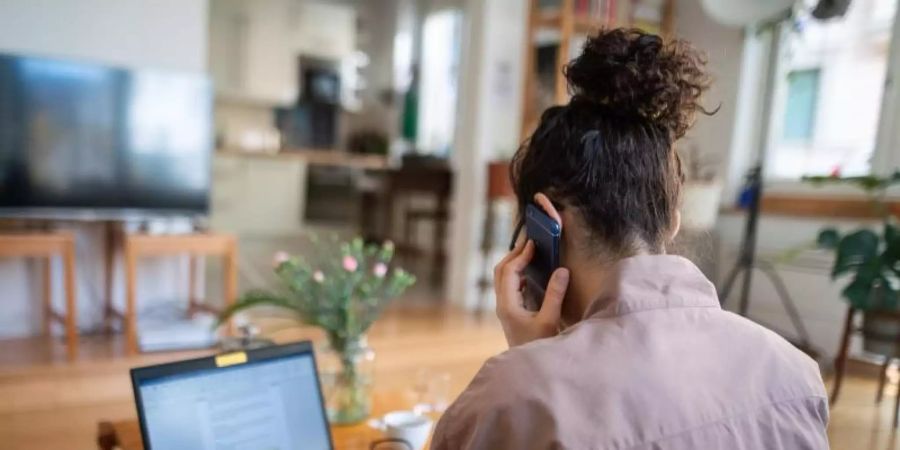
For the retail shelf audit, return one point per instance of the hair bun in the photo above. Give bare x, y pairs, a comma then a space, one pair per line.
630, 72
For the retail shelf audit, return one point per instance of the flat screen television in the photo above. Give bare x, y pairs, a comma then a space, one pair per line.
87, 139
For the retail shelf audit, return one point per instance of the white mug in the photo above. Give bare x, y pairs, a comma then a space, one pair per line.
406, 425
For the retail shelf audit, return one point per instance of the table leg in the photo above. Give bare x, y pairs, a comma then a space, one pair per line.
440, 233
130, 301
897, 409
71, 306
109, 258
47, 282
230, 277
193, 302
882, 378
841, 360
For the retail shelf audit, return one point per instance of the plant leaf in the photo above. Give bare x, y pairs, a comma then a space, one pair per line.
891, 254
857, 293
854, 250
828, 238
254, 299
891, 232
890, 296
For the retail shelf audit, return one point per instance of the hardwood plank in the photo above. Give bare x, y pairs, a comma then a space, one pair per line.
49, 403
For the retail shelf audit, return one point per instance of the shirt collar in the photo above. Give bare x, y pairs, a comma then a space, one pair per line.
656, 282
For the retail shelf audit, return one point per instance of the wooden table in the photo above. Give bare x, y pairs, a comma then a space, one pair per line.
126, 434
402, 189
47, 403
45, 246
195, 245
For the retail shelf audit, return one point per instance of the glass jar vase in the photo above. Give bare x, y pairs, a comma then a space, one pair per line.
346, 369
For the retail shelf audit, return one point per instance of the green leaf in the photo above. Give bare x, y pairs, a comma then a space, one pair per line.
387, 252
890, 296
828, 238
891, 232
891, 254
869, 284
857, 293
255, 299
357, 245
868, 183
854, 250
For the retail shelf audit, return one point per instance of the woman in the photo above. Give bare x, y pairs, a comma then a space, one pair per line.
646, 358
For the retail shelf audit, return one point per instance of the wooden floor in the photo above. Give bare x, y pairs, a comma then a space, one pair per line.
48, 403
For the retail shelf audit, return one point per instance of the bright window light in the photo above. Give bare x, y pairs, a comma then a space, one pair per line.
829, 94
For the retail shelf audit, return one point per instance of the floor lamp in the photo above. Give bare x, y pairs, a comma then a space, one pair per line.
747, 261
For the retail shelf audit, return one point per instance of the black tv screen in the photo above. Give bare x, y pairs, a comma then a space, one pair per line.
77, 136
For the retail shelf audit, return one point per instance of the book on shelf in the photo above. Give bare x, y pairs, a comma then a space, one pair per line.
549, 5
601, 10
647, 12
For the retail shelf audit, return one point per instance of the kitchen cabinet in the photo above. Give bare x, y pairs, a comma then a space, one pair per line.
258, 195
255, 45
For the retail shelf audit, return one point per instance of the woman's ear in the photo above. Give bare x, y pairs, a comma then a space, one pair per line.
544, 202
676, 224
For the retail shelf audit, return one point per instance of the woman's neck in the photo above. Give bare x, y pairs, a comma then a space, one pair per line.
591, 281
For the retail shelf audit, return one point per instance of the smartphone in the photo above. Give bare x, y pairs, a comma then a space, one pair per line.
545, 233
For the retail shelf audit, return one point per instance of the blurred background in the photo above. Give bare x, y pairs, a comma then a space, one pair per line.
267, 122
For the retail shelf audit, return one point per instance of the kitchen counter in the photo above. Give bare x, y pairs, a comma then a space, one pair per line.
319, 157
267, 193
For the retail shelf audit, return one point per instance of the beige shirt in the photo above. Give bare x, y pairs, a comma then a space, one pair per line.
660, 367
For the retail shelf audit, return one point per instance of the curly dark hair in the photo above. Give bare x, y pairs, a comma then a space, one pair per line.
609, 152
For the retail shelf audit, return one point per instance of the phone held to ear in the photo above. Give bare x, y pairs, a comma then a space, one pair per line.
545, 233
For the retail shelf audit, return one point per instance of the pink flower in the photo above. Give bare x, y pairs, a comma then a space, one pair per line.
350, 264
380, 270
318, 276
280, 258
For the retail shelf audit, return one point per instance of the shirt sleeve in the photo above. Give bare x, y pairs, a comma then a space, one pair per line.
496, 412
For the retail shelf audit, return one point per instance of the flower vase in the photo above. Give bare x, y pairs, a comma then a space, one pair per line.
346, 368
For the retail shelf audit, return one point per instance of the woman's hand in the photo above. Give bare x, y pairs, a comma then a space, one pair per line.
519, 324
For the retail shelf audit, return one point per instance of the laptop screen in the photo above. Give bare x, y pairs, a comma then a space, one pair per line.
271, 404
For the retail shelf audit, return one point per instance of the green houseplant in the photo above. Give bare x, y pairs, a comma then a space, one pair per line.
870, 258
342, 289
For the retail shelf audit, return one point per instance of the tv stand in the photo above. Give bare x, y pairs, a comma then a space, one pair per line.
135, 243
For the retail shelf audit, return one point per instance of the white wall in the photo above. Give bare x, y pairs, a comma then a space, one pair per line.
158, 34
255, 45
488, 127
723, 47
164, 34
806, 278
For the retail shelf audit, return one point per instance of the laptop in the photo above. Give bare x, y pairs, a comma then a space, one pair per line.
266, 399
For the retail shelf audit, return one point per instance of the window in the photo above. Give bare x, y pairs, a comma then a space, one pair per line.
438, 89
829, 93
800, 107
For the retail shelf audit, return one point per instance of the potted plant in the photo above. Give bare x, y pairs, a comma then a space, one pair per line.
702, 190
342, 290
871, 259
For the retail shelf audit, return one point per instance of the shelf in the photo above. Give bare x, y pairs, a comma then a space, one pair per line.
582, 24
589, 24
564, 23
547, 19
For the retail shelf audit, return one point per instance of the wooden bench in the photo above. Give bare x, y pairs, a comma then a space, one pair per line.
138, 246
45, 246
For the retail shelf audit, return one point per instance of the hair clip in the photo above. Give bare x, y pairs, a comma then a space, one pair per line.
591, 137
